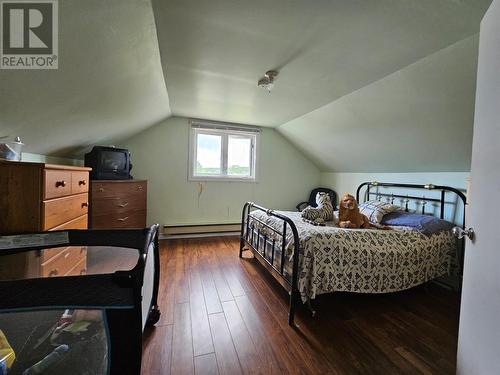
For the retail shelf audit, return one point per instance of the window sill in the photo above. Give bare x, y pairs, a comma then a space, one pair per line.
222, 179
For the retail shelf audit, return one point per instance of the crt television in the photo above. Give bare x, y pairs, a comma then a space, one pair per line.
109, 163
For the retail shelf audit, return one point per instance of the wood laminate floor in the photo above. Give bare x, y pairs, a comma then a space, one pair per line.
226, 315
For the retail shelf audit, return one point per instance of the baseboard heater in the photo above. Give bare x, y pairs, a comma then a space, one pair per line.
200, 230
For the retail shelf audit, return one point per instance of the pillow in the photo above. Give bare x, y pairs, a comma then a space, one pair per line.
375, 210
424, 223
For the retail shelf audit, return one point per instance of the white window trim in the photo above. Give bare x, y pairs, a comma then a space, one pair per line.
218, 128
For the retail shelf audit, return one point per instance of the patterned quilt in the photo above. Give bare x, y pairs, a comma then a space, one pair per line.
361, 260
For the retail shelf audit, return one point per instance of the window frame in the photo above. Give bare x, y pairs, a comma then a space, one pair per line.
225, 131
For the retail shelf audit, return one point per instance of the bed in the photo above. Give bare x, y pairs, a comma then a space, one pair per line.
333, 259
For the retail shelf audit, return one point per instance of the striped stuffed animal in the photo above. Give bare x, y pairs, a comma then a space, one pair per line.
323, 212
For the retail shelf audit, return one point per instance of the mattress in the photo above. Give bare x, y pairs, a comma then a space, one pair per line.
356, 260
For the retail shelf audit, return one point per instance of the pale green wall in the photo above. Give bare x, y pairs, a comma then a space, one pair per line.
37, 158
160, 155
349, 182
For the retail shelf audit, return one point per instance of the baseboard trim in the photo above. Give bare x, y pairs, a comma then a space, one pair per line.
197, 235
200, 229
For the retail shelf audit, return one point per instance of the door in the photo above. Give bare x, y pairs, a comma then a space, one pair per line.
479, 332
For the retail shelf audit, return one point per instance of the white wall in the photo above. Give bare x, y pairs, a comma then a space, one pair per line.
160, 155
479, 331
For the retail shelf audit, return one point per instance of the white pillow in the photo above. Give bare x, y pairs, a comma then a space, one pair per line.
375, 210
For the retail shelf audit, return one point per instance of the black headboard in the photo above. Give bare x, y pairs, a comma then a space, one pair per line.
371, 193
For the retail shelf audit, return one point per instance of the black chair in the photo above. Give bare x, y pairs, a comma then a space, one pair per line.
312, 198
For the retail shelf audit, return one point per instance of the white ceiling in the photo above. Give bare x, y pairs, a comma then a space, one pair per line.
116, 67
109, 83
213, 52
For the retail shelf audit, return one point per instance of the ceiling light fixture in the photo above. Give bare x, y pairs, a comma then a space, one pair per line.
267, 82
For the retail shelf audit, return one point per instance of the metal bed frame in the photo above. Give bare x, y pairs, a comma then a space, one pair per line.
278, 273
266, 250
407, 198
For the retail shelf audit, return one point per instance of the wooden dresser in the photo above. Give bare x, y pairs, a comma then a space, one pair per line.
36, 197
118, 204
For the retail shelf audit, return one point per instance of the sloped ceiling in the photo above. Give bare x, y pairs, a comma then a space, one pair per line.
109, 83
115, 68
213, 52
417, 119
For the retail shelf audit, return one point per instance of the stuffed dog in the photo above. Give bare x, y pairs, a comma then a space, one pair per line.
349, 215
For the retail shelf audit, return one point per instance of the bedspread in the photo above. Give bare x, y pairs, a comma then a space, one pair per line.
361, 260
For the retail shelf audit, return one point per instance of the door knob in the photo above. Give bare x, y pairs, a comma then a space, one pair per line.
461, 233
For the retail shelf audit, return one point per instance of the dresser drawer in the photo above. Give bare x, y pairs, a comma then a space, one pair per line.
118, 189
63, 263
61, 210
132, 219
57, 183
79, 182
119, 205
81, 222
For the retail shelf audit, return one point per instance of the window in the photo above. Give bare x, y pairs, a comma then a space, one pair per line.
222, 152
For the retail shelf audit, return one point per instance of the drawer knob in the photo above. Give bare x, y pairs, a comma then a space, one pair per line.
82, 182
122, 205
61, 183
101, 189
139, 187
123, 219
53, 273
85, 204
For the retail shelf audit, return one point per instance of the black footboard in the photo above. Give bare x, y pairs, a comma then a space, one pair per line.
270, 251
